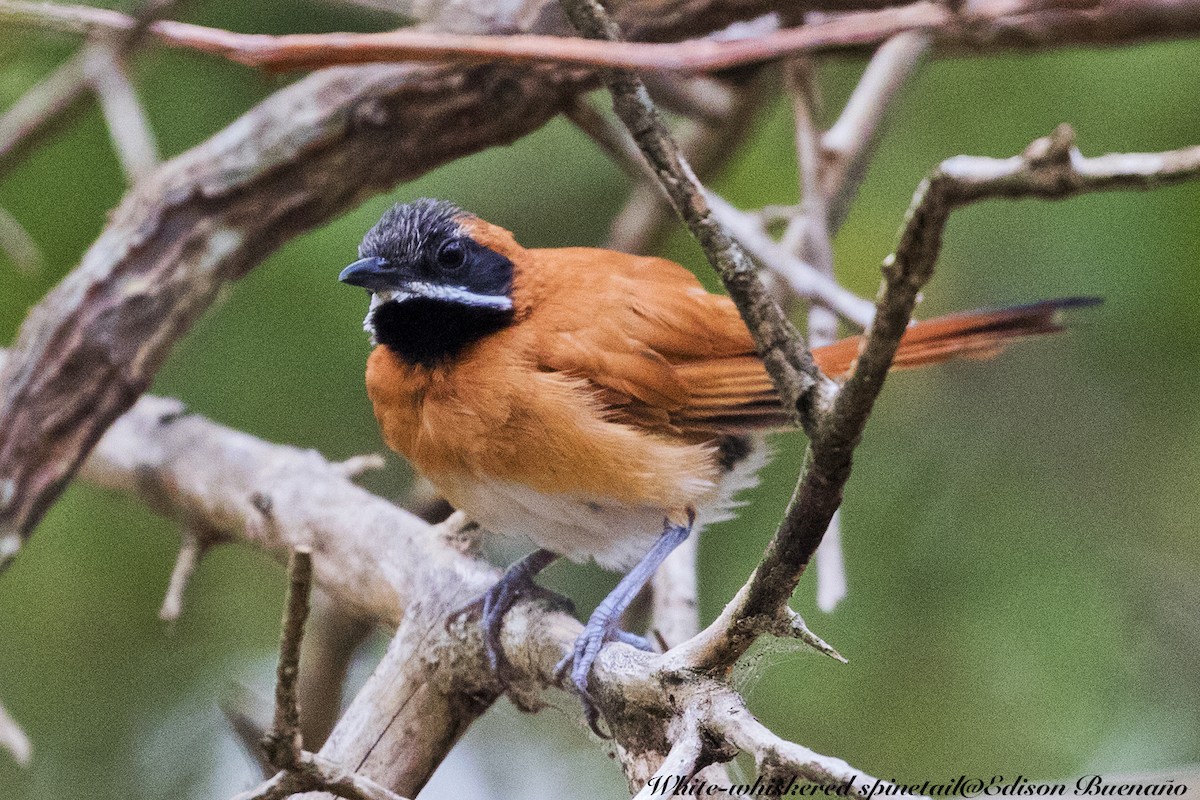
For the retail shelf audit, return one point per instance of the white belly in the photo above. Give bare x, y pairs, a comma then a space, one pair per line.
615, 534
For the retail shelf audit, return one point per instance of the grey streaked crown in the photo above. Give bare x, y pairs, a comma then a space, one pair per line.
406, 230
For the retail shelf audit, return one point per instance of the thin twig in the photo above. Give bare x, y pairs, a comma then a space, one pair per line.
302, 771
123, 113
849, 145
809, 236
52, 98
285, 742
356, 466
703, 98
32, 116
614, 141
801, 385
192, 545
801, 276
832, 167
646, 218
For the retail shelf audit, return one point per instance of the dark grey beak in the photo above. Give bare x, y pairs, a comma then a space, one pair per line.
369, 273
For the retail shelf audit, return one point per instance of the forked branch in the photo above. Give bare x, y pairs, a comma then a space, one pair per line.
1050, 168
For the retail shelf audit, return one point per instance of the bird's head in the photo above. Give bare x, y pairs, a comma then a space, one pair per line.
435, 288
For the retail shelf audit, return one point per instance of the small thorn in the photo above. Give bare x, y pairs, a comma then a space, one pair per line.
192, 547
792, 626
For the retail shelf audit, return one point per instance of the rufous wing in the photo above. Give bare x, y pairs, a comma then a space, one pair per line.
631, 327
732, 395
662, 352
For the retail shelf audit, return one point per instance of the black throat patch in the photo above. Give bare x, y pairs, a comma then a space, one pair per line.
425, 332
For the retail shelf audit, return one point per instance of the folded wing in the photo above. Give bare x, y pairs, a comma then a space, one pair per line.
668, 355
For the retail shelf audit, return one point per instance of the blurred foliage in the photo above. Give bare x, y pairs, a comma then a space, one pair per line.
1020, 534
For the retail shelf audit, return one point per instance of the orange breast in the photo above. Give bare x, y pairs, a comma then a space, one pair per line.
491, 414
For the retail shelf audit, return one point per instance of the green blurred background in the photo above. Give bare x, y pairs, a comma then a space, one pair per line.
1020, 534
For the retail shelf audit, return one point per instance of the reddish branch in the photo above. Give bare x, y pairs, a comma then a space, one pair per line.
984, 26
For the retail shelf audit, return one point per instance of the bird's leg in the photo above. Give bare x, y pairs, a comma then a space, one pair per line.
602, 625
515, 583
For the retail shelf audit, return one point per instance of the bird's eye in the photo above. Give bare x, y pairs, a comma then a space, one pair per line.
451, 256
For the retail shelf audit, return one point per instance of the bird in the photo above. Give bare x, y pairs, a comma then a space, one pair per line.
604, 405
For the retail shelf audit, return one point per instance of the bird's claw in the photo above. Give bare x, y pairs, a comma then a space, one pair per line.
599, 631
492, 605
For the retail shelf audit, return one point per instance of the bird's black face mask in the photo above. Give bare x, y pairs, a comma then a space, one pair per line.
434, 289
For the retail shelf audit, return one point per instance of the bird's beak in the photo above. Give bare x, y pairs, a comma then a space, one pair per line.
369, 273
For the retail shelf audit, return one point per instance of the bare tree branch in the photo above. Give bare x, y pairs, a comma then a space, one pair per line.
809, 236
301, 771
432, 682
284, 742
985, 26
210, 215
849, 145
707, 145
123, 113
1050, 168
804, 279
33, 115
801, 385
90, 69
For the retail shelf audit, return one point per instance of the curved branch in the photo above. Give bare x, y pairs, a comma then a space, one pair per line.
981, 27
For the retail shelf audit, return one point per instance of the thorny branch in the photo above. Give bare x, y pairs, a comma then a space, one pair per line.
1050, 168
810, 238
200, 221
382, 560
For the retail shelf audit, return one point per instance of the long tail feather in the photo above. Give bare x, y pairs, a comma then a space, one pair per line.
971, 334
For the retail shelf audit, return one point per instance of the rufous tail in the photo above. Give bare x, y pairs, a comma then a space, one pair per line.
970, 334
